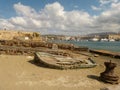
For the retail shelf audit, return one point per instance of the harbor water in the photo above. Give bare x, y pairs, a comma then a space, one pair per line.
110, 46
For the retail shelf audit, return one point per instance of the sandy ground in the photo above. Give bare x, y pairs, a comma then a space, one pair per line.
18, 73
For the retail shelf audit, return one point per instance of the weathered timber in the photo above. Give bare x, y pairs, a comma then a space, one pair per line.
108, 75
62, 62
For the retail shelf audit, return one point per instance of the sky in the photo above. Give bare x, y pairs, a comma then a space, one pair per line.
68, 17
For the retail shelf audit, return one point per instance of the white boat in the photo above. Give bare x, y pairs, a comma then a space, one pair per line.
111, 40
104, 39
94, 39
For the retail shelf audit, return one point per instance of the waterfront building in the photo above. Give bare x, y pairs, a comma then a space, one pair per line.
114, 36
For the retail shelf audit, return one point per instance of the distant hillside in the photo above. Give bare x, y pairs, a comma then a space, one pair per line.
52, 35
103, 33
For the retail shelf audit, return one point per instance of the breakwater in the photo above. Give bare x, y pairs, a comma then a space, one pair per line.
106, 53
30, 47
34, 44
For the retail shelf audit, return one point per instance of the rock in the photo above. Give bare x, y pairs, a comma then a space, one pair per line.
96, 55
104, 88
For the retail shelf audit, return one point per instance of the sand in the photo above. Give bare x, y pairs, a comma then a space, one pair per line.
19, 73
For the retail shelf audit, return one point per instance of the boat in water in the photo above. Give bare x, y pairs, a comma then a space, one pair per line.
104, 40
111, 40
62, 62
94, 39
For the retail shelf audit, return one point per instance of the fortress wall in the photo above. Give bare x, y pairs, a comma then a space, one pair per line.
11, 34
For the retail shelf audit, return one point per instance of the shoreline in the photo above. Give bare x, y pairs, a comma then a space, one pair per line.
18, 72
92, 45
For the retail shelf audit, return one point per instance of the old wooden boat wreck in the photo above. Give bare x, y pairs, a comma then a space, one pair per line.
62, 62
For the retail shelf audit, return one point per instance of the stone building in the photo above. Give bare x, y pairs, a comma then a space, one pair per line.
19, 35
114, 36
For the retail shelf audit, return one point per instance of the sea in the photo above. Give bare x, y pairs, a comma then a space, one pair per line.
113, 46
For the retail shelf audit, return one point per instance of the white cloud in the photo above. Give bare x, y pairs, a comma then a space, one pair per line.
76, 6
104, 5
103, 2
95, 8
54, 19
24, 11
18, 21
109, 20
5, 24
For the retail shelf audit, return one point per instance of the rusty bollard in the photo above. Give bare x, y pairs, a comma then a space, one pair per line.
108, 75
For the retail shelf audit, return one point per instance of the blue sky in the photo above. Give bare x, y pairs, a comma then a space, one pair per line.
7, 10
61, 16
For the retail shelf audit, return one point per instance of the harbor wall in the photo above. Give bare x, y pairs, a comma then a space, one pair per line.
34, 44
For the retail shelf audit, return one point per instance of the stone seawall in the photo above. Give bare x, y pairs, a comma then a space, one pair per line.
34, 44
13, 50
